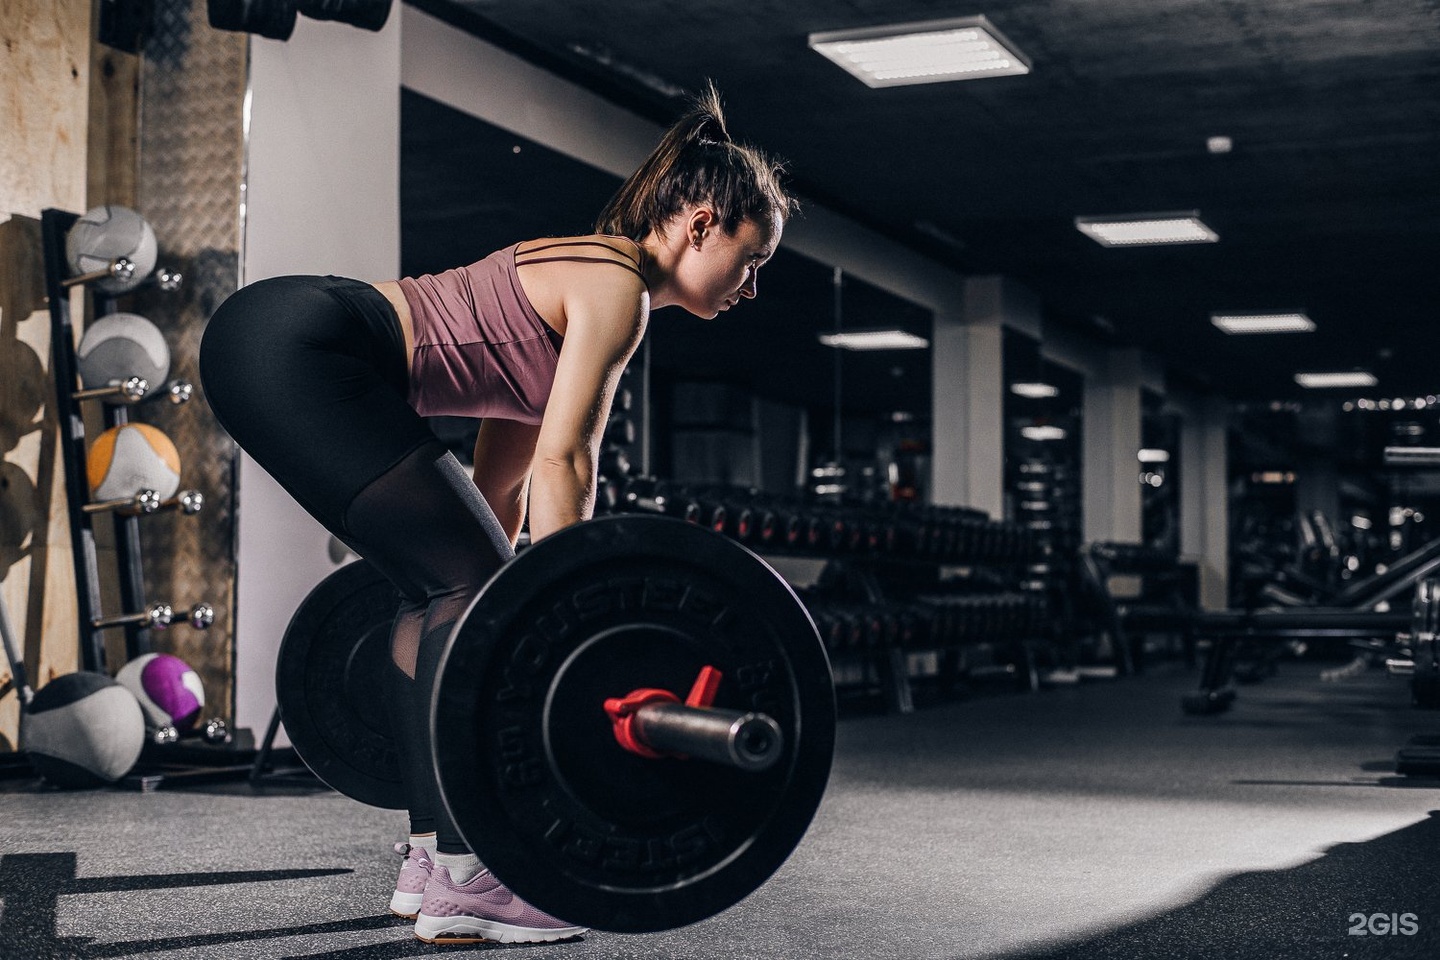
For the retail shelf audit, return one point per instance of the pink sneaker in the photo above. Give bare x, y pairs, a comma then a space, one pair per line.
483, 909
410, 887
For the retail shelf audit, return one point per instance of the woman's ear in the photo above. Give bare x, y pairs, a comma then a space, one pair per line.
699, 223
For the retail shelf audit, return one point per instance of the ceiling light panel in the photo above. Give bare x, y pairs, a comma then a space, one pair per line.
1263, 322
935, 51
1144, 229
1322, 381
1412, 456
1035, 391
874, 340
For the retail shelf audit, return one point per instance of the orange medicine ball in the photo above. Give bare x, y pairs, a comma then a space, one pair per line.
132, 457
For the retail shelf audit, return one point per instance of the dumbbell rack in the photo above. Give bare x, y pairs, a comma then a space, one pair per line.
55, 225
979, 626
874, 558
624, 441
1045, 499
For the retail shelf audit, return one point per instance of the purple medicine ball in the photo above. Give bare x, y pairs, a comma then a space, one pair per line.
168, 690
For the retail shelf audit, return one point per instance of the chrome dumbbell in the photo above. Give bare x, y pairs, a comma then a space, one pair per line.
213, 731
200, 617
158, 615
148, 501
121, 269
131, 390
180, 391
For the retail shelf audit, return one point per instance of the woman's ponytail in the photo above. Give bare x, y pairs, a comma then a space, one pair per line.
696, 161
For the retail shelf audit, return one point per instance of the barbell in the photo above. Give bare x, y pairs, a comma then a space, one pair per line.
566, 748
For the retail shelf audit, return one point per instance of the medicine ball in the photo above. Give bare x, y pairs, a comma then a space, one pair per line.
132, 457
119, 346
109, 233
83, 730
22, 515
169, 692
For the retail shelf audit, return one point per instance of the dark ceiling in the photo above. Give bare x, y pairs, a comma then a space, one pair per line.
1328, 201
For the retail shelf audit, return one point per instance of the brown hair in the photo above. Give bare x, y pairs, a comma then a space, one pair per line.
697, 162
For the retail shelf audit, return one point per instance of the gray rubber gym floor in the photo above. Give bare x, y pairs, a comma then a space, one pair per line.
1094, 821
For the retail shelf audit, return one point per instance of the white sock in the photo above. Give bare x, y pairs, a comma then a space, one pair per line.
424, 841
462, 866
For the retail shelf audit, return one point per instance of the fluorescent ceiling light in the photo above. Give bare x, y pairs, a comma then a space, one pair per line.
1035, 391
964, 48
1154, 456
1140, 229
1042, 433
1321, 381
1412, 456
1263, 322
874, 340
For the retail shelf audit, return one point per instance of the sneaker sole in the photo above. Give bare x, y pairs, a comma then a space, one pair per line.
406, 905
441, 930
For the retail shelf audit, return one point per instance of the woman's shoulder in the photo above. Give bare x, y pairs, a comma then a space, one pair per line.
595, 248
586, 245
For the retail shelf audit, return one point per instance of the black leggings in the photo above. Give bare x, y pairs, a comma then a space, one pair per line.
308, 375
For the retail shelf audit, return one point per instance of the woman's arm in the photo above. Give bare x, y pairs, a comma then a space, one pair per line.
605, 323
504, 451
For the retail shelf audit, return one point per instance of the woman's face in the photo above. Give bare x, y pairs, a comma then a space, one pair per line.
719, 272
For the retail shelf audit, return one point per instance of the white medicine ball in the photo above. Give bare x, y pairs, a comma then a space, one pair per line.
119, 346
83, 730
109, 233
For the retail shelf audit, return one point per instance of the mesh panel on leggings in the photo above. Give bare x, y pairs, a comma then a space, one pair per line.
425, 526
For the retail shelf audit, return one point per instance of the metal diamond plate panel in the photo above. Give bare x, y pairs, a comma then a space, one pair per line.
191, 162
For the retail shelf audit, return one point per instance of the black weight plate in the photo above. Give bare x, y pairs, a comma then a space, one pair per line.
530, 769
328, 685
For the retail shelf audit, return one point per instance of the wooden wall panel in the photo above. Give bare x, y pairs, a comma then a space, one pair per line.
44, 98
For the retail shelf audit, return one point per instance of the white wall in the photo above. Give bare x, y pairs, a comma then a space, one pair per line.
322, 196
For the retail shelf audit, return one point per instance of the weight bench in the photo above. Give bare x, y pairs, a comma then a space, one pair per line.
1162, 606
1226, 629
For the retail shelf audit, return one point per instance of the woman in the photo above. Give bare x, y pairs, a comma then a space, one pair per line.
324, 382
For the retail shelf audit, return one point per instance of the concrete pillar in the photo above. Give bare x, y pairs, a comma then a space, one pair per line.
969, 391
1317, 478
1317, 488
1110, 470
967, 429
1205, 497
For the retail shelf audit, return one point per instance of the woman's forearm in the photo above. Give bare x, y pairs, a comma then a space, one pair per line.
508, 505
562, 492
